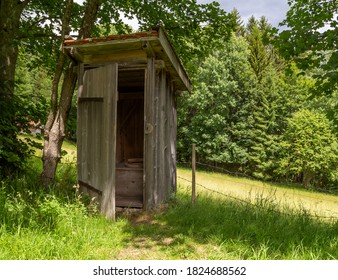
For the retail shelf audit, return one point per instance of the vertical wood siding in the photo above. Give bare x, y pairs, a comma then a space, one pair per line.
97, 133
149, 137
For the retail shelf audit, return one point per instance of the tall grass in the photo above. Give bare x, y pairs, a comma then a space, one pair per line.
216, 228
57, 223
52, 223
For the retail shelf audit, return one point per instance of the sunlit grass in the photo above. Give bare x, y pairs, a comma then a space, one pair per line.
57, 223
317, 203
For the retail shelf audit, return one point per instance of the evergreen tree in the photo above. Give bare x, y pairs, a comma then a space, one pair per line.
239, 27
215, 116
263, 96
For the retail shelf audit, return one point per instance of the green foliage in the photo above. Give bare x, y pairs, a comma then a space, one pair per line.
217, 102
309, 147
260, 53
13, 151
311, 39
186, 22
242, 96
27, 106
242, 100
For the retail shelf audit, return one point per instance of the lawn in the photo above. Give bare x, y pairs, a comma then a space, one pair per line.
233, 218
316, 203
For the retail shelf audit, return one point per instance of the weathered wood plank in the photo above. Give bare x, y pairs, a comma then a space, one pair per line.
96, 138
129, 182
166, 136
175, 62
149, 145
90, 99
172, 137
79, 125
135, 56
110, 93
90, 187
162, 187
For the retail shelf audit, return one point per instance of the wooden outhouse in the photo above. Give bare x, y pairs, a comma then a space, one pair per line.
126, 126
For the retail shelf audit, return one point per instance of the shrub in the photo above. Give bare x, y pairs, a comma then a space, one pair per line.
309, 148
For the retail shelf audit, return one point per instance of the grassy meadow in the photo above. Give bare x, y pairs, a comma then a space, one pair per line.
261, 223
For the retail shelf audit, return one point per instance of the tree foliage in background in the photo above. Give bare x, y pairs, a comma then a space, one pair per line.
40, 26
243, 109
309, 148
243, 97
310, 39
217, 105
13, 151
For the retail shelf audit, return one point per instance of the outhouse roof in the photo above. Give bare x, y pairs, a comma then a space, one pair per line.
131, 48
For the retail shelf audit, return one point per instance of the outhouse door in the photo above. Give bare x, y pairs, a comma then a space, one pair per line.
96, 133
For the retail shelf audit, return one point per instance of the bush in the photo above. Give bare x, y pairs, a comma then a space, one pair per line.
309, 149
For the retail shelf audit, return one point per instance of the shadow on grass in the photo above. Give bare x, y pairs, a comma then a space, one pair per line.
221, 229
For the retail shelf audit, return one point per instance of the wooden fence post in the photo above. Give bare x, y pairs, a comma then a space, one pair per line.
193, 166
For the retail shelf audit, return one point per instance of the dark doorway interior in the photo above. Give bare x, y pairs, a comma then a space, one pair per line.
130, 139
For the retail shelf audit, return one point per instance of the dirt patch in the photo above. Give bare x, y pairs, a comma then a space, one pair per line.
138, 216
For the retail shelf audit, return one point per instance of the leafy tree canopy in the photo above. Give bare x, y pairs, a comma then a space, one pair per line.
309, 146
311, 39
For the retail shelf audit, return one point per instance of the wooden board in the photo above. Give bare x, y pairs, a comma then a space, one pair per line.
97, 132
129, 182
149, 136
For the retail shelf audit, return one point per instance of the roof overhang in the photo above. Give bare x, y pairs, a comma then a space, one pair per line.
135, 47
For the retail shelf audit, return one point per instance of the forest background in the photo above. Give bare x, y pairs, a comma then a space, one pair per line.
264, 101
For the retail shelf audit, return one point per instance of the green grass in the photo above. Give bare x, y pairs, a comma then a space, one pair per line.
54, 223
68, 151
57, 223
294, 196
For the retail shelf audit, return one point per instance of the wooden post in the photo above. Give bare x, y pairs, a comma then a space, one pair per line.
193, 166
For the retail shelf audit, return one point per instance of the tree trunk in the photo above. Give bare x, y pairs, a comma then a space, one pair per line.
52, 133
12, 151
307, 177
55, 129
10, 14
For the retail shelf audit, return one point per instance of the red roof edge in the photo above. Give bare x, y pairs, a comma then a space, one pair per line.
152, 33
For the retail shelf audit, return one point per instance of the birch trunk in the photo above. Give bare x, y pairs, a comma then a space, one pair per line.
55, 129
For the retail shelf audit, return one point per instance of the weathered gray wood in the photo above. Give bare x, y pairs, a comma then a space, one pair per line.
110, 94
143, 126
173, 134
79, 116
89, 128
166, 137
162, 187
129, 182
90, 99
156, 165
173, 58
96, 133
136, 56
130, 48
149, 126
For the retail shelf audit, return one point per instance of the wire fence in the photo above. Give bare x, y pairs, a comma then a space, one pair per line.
247, 202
